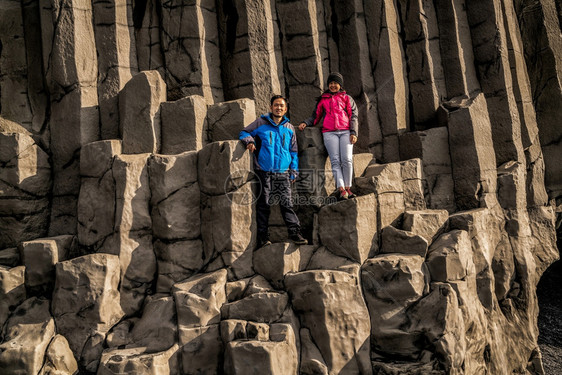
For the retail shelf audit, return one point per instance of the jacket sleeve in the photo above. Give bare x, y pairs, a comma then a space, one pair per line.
247, 134
353, 116
294, 151
317, 114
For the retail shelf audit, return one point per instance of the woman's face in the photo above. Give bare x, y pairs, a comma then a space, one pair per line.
334, 86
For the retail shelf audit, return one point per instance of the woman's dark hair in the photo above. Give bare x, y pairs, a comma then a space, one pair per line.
275, 97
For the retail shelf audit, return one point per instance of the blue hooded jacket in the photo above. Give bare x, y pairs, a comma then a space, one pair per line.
276, 144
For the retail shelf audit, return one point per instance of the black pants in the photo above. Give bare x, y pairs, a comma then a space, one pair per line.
275, 188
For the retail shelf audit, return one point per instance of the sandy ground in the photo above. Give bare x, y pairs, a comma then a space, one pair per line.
549, 292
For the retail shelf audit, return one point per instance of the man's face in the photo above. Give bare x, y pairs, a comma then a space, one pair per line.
279, 107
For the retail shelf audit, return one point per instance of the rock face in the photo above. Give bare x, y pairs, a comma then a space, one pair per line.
128, 205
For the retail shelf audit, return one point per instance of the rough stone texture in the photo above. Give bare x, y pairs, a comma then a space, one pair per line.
12, 290
542, 50
223, 167
460, 131
183, 125
425, 75
349, 228
96, 203
278, 356
86, 304
392, 284
59, 358
432, 146
330, 305
472, 153
189, 37
275, 261
139, 113
404, 242
117, 63
132, 239
40, 258
226, 120
137, 361
174, 196
428, 224
251, 65
71, 70
26, 337
25, 181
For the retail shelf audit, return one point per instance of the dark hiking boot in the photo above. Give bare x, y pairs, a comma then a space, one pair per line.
298, 239
263, 240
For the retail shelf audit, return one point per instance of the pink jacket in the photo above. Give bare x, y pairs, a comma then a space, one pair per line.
339, 111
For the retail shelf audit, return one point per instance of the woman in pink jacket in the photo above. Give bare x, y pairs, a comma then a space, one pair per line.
339, 131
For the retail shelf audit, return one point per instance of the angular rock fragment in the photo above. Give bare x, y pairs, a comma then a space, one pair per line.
177, 261
428, 224
12, 290
27, 335
412, 181
404, 242
156, 331
349, 228
86, 303
226, 120
449, 256
183, 125
59, 358
331, 306
137, 361
139, 113
260, 307
202, 349
275, 261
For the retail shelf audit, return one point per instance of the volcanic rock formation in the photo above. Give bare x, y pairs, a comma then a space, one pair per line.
127, 204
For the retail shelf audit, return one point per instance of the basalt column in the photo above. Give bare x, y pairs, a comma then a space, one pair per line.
191, 51
355, 66
251, 68
389, 67
71, 71
117, 58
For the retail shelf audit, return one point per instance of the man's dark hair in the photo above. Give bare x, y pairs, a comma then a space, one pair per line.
275, 97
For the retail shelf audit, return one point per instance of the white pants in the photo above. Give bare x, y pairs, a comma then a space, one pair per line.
340, 150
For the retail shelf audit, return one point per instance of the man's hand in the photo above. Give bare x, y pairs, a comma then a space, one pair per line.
352, 139
251, 147
302, 125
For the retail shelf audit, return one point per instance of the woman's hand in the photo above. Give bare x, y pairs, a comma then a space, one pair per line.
352, 139
302, 125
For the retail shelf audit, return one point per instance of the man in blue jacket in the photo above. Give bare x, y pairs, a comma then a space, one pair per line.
272, 140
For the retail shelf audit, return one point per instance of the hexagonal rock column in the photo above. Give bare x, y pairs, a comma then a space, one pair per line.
385, 180
450, 256
249, 51
278, 355
412, 181
189, 36
176, 222
198, 303
304, 53
96, 202
183, 125
425, 72
349, 228
25, 181
226, 120
139, 112
147, 36
330, 305
132, 240
26, 337
428, 224
472, 153
456, 49
432, 147
136, 361
389, 66
71, 73
86, 304
392, 284
40, 258
117, 58
227, 213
